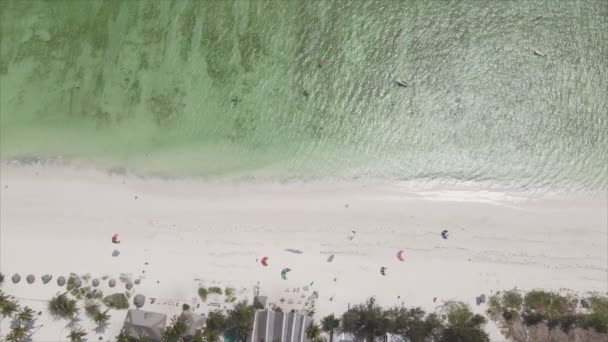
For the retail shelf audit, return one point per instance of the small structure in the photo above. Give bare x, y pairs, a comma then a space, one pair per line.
194, 322
280, 327
259, 302
150, 325
139, 300
46, 278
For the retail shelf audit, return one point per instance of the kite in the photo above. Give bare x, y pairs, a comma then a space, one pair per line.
383, 270
400, 255
265, 261
115, 238
284, 273
445, 234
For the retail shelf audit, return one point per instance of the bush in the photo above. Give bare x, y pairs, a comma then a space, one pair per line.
229, 291
116, 301
533, 318
174, 332
203, 292
185, 307
546, 303
512, 300
595, 321
91, 308
215, 290
63, 307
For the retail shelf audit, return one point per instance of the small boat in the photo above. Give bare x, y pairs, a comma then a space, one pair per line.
402, 83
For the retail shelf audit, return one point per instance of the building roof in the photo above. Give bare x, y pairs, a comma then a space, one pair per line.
139, 323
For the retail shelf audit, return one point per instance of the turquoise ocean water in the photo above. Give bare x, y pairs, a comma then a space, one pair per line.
512, 93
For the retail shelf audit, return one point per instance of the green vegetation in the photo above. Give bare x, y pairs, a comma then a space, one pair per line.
463, 325
313, 332
174, 332
122, 336
77, 335
62, 306
240, 320
230, 292
92, 310
8, 306
215, 326
203, 292
329, 324
185, 307
215, 290
116, 301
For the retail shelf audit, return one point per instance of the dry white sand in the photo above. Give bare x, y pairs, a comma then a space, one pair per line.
58, 221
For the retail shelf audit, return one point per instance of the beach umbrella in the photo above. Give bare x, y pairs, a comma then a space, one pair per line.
46, 278
137, 281
16, 278
265, 261
112, 283
30, 279
139, 300
400, 255
284, 273
95, 282
115, 238
383, 270
445, 234
61, 281
129, 285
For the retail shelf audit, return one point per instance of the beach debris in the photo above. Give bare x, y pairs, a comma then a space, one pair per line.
152, 300
480, 299
434, 299
46, 278
320, 63
145, 263
445, 234
115, 238
61, 281
129, 285
30, 279
402, 83
305, 288
116, 253
264, 261
346, 206
295, 251
290, 301
351, 237
139, 300
383, 270
284, 273
112, 283
335, 279
400, 255
537, 18
331, 258
538, 53
95, 282
282, 300
16, 278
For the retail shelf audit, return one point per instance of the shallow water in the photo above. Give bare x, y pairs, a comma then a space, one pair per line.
232, 89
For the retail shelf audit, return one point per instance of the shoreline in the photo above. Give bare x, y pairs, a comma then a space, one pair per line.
58, 220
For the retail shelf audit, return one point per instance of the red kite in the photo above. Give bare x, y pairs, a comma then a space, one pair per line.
265, 261
400, 255
115, 238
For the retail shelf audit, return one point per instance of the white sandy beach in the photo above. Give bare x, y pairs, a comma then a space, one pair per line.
58, 220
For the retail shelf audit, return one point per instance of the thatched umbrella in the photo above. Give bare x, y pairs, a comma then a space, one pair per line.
46, 278
129, 285
95, 282
16, 278
112, 283
30, 279
139, 300
61, 281
77, 283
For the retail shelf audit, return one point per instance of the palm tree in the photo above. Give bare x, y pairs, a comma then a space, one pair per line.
63, 307
8, 306
175, 331
313, 331
101, 318
77, 335
328, 324
17, 334
123, 336
463, 325
366, 321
